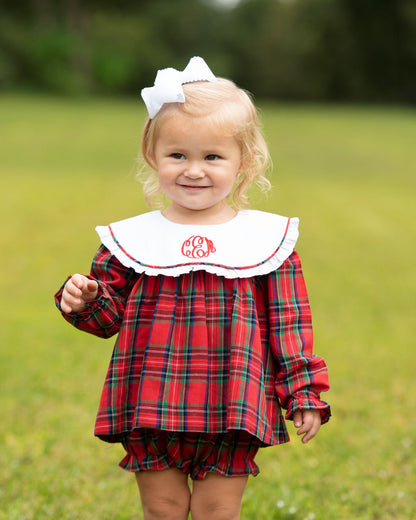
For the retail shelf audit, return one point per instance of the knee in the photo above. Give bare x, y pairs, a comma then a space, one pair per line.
164, 494
207, 510
166, 508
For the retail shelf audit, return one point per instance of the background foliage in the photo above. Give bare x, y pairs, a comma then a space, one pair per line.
344, 50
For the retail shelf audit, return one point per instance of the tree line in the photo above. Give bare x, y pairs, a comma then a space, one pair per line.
337, 50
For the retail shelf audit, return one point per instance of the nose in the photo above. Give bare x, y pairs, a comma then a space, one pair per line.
194, 170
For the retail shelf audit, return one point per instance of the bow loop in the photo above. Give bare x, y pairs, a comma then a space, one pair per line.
168, 84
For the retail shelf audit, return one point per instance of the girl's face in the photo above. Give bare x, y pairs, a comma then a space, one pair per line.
196, 164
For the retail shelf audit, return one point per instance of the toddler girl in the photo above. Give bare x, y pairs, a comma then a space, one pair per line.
210, 306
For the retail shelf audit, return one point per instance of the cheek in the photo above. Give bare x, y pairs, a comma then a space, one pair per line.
165, 173
163, 181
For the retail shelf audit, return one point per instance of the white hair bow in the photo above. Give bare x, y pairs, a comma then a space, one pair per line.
168, 84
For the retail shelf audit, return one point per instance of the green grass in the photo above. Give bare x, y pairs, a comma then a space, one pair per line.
347, 172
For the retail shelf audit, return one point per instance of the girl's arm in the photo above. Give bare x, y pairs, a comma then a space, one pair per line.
301, 375
101, 306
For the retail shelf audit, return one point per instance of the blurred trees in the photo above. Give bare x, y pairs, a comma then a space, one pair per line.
347, 50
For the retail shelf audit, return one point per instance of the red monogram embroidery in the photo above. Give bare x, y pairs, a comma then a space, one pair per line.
197, 247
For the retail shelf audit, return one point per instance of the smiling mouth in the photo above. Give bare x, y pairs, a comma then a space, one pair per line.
193, 187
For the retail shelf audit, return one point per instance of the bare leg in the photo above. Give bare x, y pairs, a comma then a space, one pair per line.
164, 494
217, 497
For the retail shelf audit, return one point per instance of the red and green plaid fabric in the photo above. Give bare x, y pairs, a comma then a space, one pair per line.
203, 353
231, 453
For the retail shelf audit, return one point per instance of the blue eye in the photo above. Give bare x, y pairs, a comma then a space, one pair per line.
212, 157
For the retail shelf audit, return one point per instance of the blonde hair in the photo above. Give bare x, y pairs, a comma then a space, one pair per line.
228, 107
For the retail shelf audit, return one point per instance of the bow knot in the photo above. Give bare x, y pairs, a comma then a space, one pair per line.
168, 84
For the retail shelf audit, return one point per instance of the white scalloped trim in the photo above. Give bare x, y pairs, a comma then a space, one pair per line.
253, 243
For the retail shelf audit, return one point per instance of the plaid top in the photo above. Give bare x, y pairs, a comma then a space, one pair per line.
204, 353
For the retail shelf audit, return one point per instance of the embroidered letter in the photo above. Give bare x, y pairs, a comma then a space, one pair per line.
197, 247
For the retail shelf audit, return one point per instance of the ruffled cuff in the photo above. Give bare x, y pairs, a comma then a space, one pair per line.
307, 399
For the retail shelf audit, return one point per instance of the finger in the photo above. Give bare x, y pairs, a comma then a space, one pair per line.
310, 434
297, 418
312, 430
69, 302
91, 286
78, 280
72, 290
65, 307
85, 289
306, 425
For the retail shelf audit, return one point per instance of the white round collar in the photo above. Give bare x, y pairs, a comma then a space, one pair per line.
252, 243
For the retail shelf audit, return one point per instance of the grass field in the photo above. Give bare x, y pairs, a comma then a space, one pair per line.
348, 173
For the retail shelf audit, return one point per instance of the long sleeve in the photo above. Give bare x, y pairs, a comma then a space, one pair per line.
301, 375
104, 315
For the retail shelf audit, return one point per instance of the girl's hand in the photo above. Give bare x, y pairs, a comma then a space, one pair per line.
308, 422
77, 292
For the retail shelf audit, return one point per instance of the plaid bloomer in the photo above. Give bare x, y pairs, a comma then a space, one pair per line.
230, 454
